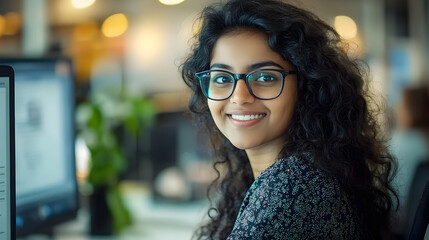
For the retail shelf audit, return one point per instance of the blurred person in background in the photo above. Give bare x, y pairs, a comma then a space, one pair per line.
410, 145
298, 151
410, 139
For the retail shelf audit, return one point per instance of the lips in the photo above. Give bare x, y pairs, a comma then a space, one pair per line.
246, 119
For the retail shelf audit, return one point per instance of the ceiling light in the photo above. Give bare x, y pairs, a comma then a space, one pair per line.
171, 2
82, 3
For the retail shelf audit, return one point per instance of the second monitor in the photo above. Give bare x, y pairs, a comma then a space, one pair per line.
46, 187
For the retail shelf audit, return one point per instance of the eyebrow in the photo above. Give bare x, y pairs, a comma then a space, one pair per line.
251, 67
264, 64
220, 65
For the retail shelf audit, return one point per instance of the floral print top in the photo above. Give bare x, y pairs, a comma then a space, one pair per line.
293, 200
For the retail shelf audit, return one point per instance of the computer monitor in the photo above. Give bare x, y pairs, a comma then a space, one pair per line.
46, 186
7, 154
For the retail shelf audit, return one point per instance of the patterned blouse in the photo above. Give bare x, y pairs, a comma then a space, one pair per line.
293, 200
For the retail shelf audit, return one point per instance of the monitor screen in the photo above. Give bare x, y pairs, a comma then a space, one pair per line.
46, 187
7, 171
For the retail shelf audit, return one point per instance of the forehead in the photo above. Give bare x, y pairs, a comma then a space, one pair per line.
244, 47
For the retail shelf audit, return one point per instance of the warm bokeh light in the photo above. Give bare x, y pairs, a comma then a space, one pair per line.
85, 32
345, 26
114, 25
83, 156
190, 27
171, 2
13, 23
147, 43
82, 3
2, 25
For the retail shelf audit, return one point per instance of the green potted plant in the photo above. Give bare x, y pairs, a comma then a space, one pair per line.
98, 121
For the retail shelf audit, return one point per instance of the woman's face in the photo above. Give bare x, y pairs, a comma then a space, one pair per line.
242, 52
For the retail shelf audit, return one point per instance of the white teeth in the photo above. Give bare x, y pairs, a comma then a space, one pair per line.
247, 117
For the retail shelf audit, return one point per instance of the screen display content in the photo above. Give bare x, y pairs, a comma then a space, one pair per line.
4, 136
46, 188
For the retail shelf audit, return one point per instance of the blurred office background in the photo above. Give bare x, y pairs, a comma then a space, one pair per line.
127, 92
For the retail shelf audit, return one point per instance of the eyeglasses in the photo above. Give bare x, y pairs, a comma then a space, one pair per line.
263, 84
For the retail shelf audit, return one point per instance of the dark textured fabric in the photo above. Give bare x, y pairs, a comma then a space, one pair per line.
293, 200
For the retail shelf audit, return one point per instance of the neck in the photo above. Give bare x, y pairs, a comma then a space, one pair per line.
264, 156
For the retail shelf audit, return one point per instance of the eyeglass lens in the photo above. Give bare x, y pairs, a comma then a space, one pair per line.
264, 84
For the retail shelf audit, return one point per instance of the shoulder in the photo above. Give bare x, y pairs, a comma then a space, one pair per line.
296, 181
294, 199
289, 174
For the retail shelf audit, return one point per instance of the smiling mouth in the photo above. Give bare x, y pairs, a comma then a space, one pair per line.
247, 117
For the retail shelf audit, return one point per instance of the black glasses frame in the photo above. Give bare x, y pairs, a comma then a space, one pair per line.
245, 77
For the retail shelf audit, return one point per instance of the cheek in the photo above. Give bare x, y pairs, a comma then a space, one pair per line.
212, 106
215, 108
285, 112
285, 107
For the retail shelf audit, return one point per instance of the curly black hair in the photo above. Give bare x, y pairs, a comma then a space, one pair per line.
332, 119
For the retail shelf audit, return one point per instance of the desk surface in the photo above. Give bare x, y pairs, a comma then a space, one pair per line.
152, 220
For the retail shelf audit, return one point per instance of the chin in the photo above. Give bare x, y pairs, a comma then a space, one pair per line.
243, 146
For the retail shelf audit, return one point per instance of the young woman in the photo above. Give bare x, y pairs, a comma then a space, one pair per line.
297, 150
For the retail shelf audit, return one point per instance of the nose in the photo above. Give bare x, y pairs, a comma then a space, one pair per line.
241, 94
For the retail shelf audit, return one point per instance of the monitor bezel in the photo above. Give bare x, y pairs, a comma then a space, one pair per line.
47, 225
7, 71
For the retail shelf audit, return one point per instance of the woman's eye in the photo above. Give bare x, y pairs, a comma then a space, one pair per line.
266, 78
221, 79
